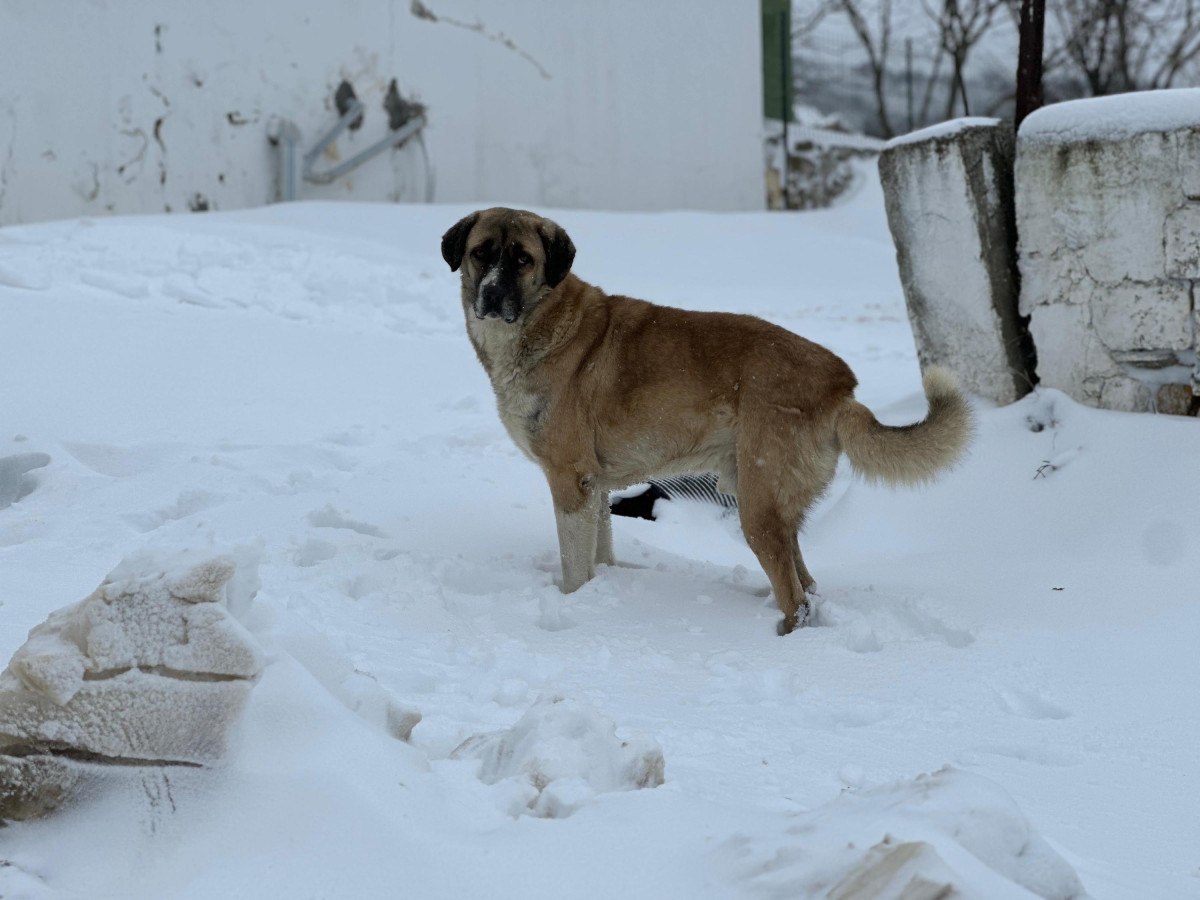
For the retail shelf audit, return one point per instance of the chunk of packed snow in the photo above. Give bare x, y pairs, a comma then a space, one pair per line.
149, 612
567, 752
150, 668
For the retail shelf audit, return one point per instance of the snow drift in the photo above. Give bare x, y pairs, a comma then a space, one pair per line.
150, 669
946, 834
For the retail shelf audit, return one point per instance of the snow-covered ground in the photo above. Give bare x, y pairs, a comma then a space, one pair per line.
1004, 667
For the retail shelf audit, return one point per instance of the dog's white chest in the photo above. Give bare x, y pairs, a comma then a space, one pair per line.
520, 408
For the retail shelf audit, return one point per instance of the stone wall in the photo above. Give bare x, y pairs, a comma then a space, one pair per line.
1105, 194
1108, 217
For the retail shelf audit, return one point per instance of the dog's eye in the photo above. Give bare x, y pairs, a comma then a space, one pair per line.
524, 259
478, 253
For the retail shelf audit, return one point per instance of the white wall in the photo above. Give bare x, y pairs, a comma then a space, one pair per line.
1109, 226
128, 107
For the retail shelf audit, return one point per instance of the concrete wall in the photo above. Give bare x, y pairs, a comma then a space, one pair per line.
128, 107
948, 191
1108, 213
1106, 194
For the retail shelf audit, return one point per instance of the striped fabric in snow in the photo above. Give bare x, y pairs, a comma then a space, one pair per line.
694, 487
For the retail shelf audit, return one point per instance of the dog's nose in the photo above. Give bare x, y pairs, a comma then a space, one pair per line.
490, 301
497, 303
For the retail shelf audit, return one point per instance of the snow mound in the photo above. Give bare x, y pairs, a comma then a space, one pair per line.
947, 834
1115, 117
942, 130
357, 691
566, 752
151, 668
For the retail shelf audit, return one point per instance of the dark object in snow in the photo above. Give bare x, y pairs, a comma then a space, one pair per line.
673, 487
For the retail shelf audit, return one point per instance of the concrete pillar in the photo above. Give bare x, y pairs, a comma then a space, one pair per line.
949, 196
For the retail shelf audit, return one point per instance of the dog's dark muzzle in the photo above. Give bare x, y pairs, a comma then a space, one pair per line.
498, 302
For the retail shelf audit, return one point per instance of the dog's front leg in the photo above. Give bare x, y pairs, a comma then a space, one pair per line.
604, 540
577, 514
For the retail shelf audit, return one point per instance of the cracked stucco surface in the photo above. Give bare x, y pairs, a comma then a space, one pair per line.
560, 105
1109, 250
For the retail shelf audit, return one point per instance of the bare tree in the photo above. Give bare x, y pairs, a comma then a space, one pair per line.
961, 24
1113, 46
877, 43
959, 27
1031, 29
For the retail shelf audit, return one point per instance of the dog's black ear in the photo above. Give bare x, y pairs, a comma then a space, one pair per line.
454, 241
560, 252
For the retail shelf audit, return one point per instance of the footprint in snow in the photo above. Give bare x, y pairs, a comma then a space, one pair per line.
186, 504
25, 274
15, 481
130, 286
867, 625
1050, 757
1029, 704
328, 517
117, 462
312, 552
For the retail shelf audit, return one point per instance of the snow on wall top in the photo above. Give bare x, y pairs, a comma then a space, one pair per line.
1114, 118
941, 130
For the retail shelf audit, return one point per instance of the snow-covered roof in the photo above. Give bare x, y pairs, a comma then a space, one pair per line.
1115, 117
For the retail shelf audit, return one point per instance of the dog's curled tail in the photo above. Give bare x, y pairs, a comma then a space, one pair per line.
909, 454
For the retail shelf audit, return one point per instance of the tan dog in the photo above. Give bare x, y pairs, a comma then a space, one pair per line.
603, 392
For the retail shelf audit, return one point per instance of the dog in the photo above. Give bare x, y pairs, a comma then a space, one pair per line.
607, 391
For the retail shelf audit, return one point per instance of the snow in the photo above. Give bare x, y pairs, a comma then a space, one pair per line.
296, 380
563, 752
946, 129
1114, 118
150, 665
952, 821
15, 480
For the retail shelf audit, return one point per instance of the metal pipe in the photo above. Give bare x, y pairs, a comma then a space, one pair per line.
285, 135
388, 141
353, 111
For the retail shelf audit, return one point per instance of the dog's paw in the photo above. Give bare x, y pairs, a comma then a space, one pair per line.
788, 624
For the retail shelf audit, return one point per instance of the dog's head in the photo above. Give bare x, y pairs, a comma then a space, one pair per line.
510, 259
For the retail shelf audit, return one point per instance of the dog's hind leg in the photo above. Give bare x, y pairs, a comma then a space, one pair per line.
770, 531
781, 472
769, 535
